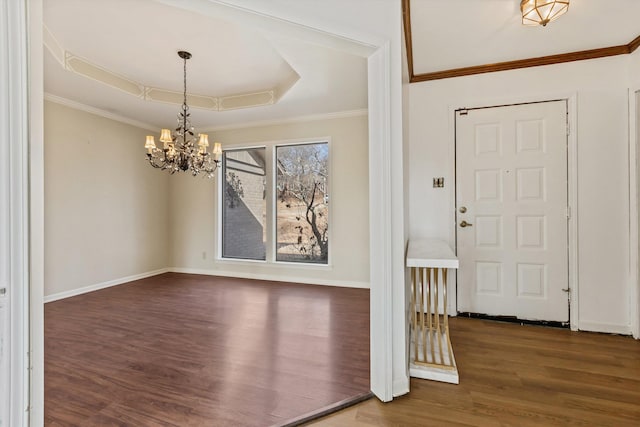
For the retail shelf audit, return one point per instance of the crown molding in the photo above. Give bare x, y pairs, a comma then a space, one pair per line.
582, 55
290, 120
258, 123
98, 112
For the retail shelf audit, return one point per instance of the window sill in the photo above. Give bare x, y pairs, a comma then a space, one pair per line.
275, 264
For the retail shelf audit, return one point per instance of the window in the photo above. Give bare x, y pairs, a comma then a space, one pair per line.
244, 208
274, 203
302, 214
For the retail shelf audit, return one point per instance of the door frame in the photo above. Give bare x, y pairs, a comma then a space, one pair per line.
571, 99
634, 217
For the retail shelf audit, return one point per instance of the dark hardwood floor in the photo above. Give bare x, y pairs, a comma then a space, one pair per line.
189, 350
512, 375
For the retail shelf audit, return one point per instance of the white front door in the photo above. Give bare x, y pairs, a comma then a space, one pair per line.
511, 211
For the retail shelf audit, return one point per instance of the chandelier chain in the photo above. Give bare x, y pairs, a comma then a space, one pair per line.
185, 107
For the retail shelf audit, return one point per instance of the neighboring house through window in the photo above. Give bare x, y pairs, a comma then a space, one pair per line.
244, 207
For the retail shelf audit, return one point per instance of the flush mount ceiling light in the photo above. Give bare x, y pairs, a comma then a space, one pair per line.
179, 152
541, 12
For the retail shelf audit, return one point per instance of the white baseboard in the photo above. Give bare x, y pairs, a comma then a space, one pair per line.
608, 328
275, 278
272, 277
97, 286
401, 386
435, 374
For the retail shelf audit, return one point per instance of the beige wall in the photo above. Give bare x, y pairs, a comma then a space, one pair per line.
193, 208
106, 211
602, 214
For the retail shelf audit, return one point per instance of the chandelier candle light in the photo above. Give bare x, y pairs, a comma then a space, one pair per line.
179, 152
541, 12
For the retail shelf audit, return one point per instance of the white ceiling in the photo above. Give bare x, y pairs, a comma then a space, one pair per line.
449, 34
234, 53
138, 40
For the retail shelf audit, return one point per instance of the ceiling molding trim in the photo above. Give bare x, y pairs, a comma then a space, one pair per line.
406, 20
523, 63
582, 55
51, 43
98, 112
85, 68
99, 74
291, 120
634, 44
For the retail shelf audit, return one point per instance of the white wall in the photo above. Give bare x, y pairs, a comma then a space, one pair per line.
106, 210
193, 208
603, 170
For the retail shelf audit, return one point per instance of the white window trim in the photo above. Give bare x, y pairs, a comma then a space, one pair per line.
271, 221
274, 213
218, 200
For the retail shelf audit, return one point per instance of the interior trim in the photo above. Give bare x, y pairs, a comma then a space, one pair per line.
103, 285
582, 55
83, 67
328, 410
98, 112
406, 21
234, 126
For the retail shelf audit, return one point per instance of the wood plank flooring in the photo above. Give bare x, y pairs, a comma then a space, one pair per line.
512, 375
189, 350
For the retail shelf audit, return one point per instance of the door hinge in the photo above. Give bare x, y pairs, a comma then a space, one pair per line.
568, 212
463, 111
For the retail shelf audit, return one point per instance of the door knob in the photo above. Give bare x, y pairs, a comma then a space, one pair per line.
462, 209
464, 224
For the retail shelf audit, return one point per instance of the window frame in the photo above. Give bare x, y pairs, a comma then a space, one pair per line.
274, 213
220, 211
271, 192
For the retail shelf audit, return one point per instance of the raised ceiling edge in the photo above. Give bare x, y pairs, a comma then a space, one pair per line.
83, 67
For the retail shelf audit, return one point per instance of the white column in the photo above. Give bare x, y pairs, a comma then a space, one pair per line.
14, 260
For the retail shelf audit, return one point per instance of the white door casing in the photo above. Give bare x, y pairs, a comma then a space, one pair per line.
14, 233
511, 177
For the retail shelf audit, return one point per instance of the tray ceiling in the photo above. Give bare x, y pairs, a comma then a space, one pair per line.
121, 56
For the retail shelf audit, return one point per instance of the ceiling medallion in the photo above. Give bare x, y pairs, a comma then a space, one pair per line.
541, 12
179, 152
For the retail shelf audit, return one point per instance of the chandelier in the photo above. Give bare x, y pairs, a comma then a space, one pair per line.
541, 12
179, 152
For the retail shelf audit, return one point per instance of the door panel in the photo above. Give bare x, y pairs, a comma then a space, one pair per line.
511, 211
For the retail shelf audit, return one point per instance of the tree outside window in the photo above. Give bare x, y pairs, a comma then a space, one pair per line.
302, 211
